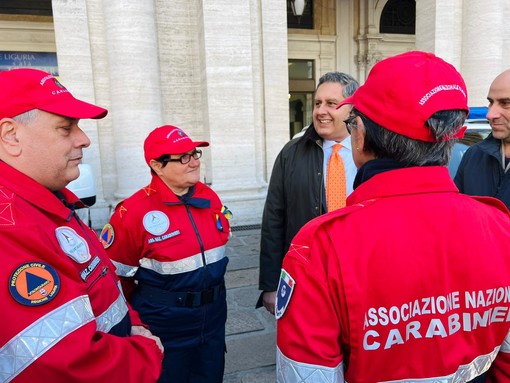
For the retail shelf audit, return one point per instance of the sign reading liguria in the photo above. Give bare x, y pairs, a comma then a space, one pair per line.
46, 61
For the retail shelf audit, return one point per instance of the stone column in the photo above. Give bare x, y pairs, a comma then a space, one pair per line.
471, 35
455, 31
133, 66
275, 116
76, 72
439, 28
484, 45
246, 109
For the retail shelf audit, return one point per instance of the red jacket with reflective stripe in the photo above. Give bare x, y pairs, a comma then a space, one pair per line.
153, 224
158, 240
56, 294
410, 281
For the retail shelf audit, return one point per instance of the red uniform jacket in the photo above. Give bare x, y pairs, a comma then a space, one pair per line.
410, 281
162, 245
60, 296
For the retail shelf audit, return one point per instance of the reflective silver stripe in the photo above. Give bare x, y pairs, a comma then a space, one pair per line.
113, 315
465, 373
184, 265
505, 347
290, 371
124, 270
40, 336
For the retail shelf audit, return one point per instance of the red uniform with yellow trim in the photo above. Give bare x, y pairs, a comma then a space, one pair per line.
410, 282
64, 316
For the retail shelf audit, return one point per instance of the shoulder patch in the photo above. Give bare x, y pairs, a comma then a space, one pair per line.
226, 212
283, 294
107, 236
34, 283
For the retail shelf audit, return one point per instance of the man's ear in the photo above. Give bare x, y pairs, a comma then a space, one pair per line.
358, 144
358, 139
8, 136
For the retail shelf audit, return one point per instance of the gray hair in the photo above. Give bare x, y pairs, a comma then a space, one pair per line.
387, 144
349, 83
27, 117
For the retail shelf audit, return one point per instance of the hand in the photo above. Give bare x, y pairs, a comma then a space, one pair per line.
142, 331
269, 300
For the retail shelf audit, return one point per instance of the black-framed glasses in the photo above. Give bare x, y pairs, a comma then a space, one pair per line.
351, 122
184, 159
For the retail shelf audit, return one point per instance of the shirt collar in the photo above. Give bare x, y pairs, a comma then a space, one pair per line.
346, 143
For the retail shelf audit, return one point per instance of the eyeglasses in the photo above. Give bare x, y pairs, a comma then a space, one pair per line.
184, 159
351, 122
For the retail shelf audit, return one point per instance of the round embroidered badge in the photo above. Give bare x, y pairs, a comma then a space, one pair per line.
156, 222
107, 235
34, 283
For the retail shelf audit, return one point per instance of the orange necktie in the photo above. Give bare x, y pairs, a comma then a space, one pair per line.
335, 180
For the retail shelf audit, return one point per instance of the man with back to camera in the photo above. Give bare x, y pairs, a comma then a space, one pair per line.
484, 167
298, 185
65, 317
410, 281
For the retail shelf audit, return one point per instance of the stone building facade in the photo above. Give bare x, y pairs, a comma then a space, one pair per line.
219, 69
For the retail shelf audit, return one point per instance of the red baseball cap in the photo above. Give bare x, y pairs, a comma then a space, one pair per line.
25, 89
168, 139
402, 92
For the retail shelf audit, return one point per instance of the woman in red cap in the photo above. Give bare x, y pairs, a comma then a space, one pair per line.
168, 244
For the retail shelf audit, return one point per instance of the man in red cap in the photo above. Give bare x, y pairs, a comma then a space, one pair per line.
168, 242
64, 318
410, 282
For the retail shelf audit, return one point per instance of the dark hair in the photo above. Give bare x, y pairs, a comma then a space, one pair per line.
163, 159
349, 83
384, 143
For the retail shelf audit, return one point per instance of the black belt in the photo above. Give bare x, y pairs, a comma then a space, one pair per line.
182, 299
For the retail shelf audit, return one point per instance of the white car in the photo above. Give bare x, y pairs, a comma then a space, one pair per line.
477, 129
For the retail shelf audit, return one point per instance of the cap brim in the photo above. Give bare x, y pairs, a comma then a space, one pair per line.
74, 108
348, 100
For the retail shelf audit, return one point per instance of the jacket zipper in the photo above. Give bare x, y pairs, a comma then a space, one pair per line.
103, 273
197, 234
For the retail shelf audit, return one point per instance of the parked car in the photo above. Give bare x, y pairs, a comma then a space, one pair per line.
478, 128
85, 189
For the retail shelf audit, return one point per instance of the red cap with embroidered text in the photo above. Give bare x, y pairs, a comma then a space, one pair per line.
25, 89
168, 139
402, 92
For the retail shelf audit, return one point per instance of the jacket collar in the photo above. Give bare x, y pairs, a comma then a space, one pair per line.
311, 135
413, 180
12, 180
373, 167
491, 146
193, 197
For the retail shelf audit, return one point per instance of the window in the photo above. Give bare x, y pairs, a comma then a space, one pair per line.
301, 90
399, 16
26, 7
